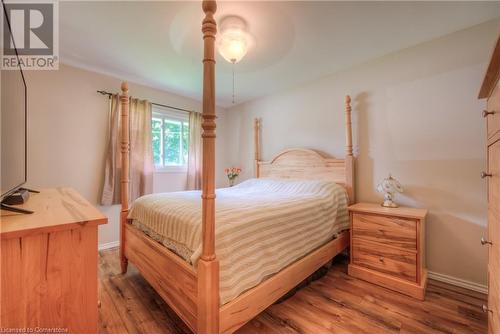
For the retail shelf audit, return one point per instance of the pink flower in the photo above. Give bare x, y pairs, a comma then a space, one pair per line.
232, 171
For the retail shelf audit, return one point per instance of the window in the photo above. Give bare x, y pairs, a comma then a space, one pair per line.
170, 136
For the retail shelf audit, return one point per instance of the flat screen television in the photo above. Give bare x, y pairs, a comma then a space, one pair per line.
13, 125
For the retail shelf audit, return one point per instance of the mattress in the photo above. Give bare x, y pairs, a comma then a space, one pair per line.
262, 226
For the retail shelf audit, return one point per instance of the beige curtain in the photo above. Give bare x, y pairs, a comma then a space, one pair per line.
195, 152
141, 157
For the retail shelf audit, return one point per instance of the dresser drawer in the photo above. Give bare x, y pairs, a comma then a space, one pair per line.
494, 180
493, 120
493, 301
494, 237
394, 231
387, 260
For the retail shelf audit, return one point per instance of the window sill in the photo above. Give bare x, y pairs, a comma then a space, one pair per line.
171, 170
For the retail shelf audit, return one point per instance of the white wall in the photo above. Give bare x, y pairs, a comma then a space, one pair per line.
416, 115
67, 128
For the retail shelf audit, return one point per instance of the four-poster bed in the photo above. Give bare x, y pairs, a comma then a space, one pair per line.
193, 291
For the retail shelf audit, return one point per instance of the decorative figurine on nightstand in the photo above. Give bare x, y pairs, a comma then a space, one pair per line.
389, 186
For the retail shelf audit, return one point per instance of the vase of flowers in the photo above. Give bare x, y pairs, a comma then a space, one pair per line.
232, 173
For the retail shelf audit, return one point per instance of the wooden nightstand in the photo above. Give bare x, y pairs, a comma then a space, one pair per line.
388, 247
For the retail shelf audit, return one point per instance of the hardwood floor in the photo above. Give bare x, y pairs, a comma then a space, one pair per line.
335, 303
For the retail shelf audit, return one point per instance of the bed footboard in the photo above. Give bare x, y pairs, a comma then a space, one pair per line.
174, 279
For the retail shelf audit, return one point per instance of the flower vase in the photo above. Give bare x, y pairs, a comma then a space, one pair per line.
231, 182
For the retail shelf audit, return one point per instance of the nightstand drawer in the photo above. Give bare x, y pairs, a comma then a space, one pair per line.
394, 231
387, 260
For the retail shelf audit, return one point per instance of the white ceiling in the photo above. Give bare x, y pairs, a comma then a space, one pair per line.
159, 43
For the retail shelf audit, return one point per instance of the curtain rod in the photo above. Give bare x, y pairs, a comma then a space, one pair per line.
153, 103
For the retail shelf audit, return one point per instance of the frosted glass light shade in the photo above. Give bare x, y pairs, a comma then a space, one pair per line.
233, 45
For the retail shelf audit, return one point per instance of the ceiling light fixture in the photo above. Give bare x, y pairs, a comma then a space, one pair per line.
234, 41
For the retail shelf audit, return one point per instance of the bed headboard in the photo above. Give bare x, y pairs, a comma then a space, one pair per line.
308, 164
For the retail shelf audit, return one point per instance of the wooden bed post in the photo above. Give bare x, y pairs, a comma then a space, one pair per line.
208, 265
256, 136
124, 182
349, 158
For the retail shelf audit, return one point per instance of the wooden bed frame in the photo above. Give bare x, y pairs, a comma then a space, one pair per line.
194, 293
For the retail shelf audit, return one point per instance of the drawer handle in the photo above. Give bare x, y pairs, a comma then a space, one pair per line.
485, 175
486, 309
381, 259
484, 241
486, 113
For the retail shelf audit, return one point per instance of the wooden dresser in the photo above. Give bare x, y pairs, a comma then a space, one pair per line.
48, 264
491, 90
388, 247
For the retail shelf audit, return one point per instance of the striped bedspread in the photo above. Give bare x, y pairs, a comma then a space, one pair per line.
262, 226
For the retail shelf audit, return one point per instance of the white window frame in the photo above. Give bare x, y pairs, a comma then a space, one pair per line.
168, 114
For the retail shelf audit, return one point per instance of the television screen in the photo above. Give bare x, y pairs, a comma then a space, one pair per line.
12, 129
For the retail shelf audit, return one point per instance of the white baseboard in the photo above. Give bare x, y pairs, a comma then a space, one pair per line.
109, 245
458, 282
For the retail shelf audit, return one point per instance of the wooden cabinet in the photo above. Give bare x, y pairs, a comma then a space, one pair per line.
493, 239
388, 247
490, 89
48, 264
